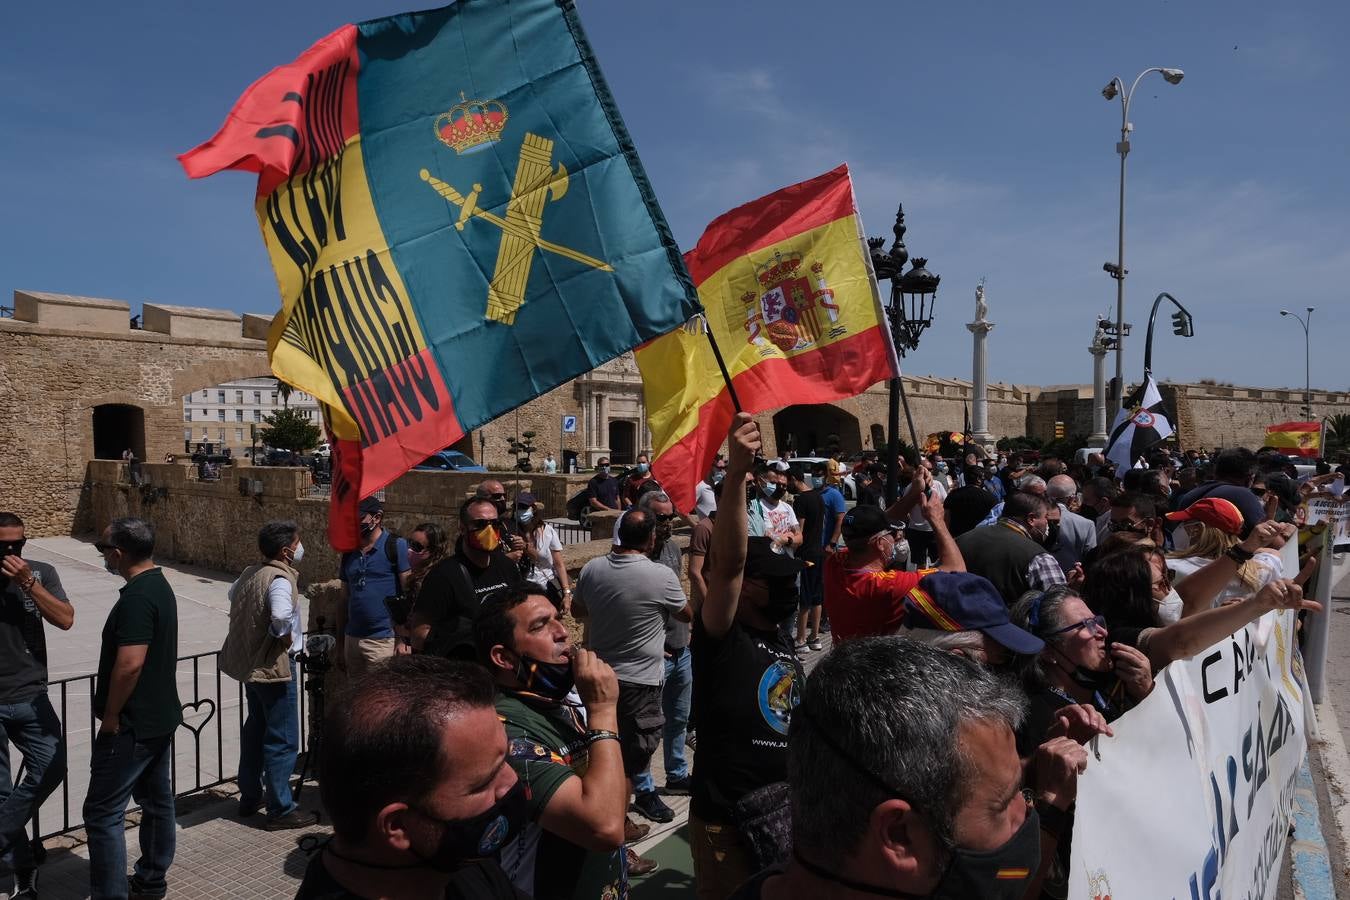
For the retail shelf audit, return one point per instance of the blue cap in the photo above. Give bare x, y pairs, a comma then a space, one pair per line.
961, 601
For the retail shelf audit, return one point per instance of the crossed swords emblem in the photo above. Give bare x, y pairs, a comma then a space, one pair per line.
536, 183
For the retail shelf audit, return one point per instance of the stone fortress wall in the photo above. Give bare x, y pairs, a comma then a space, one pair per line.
79, 382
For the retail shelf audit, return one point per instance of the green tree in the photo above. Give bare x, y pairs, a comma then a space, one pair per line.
284, 390
1338, 434
288, 429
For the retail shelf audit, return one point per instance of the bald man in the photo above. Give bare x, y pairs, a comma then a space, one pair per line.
1077, 534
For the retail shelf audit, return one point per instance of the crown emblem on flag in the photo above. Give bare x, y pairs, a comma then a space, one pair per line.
472, 125
780, 268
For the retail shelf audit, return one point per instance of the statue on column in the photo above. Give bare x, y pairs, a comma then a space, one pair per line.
981, 306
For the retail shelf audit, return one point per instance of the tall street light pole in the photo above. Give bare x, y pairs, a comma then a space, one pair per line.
1307, 359
1116, 270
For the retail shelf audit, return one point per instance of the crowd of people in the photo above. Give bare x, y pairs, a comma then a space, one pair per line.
984, 626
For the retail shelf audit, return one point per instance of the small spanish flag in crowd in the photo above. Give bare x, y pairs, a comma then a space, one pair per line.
791, 300
1296, 438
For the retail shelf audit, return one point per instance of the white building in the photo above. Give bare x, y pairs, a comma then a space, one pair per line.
227, 414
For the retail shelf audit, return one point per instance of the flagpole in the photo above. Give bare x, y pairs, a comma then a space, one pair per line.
722, 367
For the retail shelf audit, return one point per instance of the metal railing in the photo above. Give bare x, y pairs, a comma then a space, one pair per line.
206, 758
571, 532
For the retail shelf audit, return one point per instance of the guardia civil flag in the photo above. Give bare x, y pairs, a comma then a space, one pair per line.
791, 301
458, 222
1296, 438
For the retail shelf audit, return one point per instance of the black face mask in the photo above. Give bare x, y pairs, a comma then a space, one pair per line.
463, 840
1051, 535
551, 680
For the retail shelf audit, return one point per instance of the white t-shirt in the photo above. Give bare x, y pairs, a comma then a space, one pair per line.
705, 501
1268, 564
917, 519
772, 521
540, 545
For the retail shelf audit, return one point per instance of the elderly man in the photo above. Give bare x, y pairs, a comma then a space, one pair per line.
913, 787
629, 600
1076, 535
1011, 553
431, 830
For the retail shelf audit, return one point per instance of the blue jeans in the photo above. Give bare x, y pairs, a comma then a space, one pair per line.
676, 696
268, 744
33, 728
124, 768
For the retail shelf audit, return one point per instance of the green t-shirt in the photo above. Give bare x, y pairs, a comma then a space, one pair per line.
146, 613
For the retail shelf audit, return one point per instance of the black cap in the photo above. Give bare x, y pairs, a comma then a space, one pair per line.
371, 506
865, 521
762, 561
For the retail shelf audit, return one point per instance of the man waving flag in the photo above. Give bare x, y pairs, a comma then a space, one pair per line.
1140, 424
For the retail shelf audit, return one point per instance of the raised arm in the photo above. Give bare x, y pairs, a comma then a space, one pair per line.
1199, 589
1184, 639
730, 532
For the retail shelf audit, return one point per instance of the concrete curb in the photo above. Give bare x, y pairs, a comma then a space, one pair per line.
1311, 862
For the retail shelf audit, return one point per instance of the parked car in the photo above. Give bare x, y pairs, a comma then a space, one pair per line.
803, 465
449, 461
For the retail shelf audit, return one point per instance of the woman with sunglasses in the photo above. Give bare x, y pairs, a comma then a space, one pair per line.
427, 545
542, 562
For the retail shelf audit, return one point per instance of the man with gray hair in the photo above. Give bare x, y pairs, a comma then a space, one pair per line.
912, 787
677, 689
1076, 534
136, 701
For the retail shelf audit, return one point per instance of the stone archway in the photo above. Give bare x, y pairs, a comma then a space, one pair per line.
817, 428
622, 442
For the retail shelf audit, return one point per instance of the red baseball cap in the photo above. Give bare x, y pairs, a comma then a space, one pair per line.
1214, 511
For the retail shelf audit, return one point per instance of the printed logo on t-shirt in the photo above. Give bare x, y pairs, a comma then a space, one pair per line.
778, 695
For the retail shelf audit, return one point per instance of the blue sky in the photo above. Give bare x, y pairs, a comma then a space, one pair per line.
984, 119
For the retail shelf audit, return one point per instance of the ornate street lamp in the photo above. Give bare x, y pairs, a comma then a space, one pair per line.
909, 312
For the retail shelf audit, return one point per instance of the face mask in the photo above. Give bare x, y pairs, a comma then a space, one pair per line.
1169, 608
1039, 535
604, 470
298, 553
1085, 678
523, 516
1051, 535
111, 569
766, 488
486, 538
662, 532
551, 680
644, 468
367, 527
717, 476
481, 836
999, 874
417, 557
897, 559
500, 506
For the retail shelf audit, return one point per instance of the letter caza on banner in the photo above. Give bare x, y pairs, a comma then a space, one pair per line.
458, 222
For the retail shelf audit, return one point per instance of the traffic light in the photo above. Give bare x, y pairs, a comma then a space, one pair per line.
1059, 431
1182, 325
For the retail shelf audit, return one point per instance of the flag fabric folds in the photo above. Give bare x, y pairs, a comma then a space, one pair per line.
458, 222
1296, 438
792, 302
1140, 424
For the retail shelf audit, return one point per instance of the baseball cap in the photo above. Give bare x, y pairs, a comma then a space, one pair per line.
525, 498
865, 521
1213, 511
371, 506
962, 601
761, 561
777, 465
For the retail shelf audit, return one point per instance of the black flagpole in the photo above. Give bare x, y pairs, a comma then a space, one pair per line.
722, 366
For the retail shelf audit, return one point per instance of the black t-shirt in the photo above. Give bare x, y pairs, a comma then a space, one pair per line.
745, 687
23, 645
810, 510
451, 594
146, 613
869, 495
481, 880
605, 488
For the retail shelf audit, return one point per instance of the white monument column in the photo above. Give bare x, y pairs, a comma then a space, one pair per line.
979, 414
1098, 350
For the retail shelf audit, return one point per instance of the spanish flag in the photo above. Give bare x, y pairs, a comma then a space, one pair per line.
1296, 438
790, 297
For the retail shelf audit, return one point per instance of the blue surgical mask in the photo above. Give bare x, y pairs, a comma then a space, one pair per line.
644, 468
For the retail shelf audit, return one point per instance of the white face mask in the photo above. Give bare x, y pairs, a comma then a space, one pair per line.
524, 515
298, 553
1169, 608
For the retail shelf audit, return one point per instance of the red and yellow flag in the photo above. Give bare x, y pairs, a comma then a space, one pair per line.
787, 285
1296, 438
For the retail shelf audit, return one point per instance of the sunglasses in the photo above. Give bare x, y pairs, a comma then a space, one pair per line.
1093, 624
480, 524
665, 518
102, 547
501, 496
416, 547
1127, 525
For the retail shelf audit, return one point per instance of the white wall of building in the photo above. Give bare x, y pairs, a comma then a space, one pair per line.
226, 413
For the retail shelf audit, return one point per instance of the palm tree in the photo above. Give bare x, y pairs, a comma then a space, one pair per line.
284, 390
1338, 433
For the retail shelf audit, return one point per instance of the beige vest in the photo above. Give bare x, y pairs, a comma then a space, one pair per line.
250, 652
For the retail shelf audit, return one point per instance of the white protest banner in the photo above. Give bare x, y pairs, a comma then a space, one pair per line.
1192, 797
